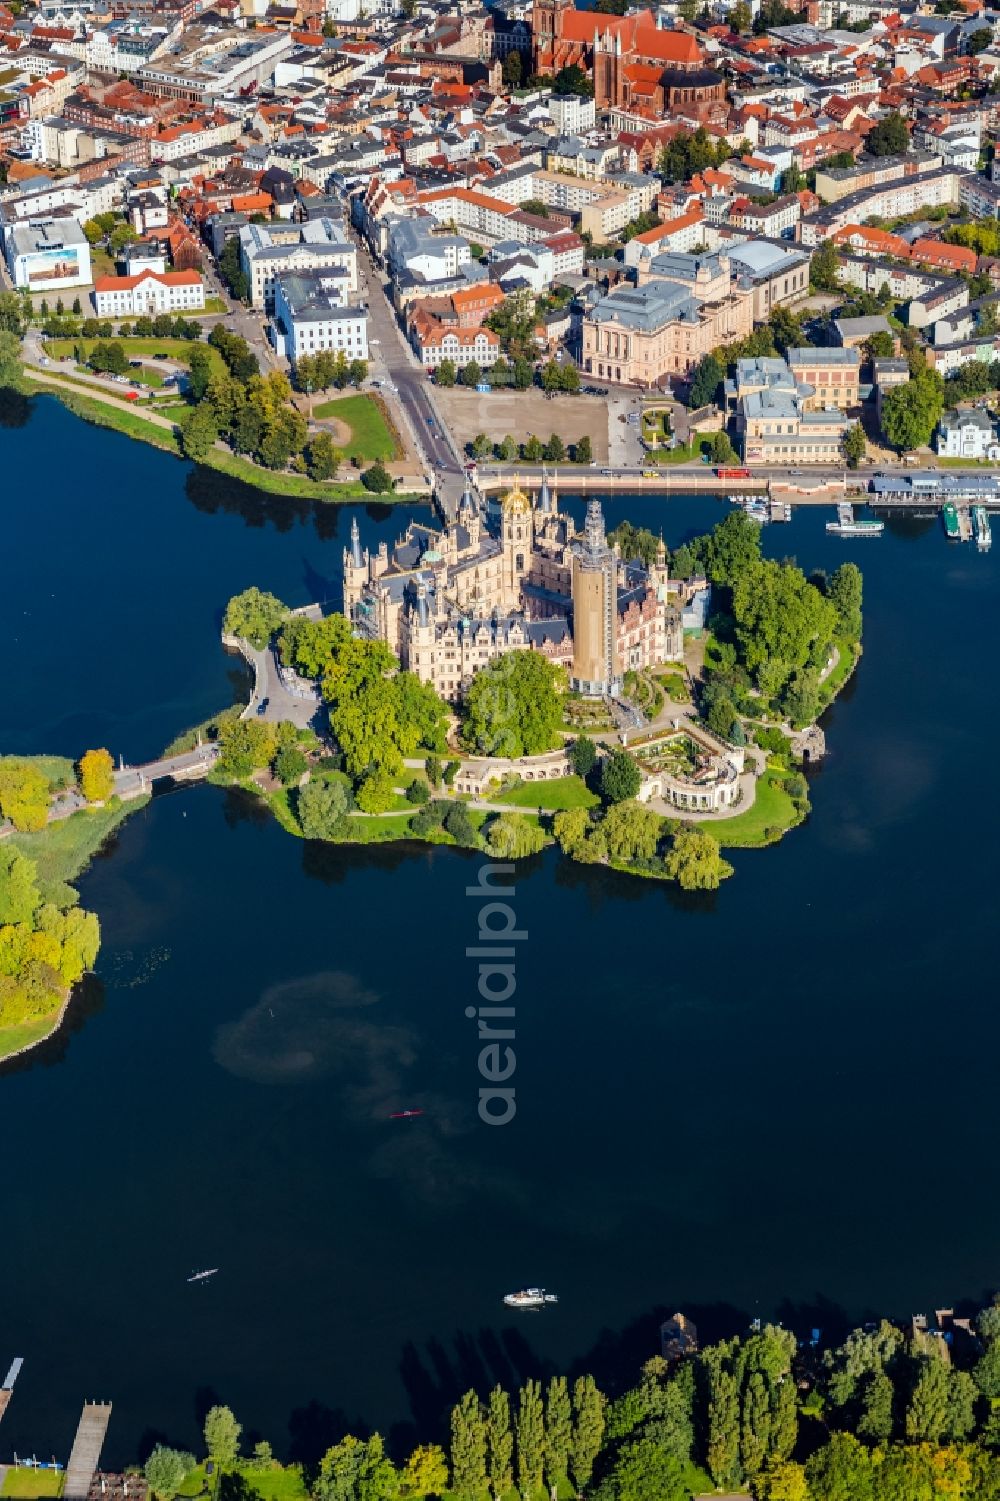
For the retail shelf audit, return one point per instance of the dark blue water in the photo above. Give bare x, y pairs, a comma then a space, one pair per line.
779, 1099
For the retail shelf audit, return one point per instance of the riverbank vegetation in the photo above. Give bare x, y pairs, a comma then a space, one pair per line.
890, 1414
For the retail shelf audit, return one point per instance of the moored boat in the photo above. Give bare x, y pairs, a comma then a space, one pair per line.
530, 1297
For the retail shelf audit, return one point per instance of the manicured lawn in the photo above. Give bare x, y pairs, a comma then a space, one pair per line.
286, 1484
178, 350
772, 809
371, 435
831, 686
563, 792
24, 1482
64, 848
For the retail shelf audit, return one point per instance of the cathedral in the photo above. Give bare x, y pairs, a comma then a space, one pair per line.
450, 601
636, 66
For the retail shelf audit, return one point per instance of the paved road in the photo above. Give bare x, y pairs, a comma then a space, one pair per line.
392, 360
130, 780
269, 690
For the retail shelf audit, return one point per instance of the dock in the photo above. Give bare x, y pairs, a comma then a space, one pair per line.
846, 524
965, 532
7, 1390
86, 1451
984, 536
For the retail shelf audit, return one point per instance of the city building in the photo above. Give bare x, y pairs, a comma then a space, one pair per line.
640, 335
147, 293
269, 250
312, 314
776, 428
967, 433
833, 377
47, 255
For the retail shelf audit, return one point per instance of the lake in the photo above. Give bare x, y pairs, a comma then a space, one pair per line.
776, 1100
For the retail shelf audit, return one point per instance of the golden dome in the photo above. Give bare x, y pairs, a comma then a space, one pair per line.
516, 503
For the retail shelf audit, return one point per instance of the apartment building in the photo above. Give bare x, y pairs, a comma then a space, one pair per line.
148, 293
269, 250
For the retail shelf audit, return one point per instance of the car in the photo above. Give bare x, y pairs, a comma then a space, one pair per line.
262, 706
135, 364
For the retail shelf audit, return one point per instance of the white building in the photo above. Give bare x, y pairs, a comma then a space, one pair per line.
268, 251
148, 292
967, 434
47, 255
311, 315
571, 114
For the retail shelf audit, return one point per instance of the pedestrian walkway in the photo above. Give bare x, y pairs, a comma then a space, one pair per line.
86, 1451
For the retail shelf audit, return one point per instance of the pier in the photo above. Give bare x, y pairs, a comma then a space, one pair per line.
86, 1451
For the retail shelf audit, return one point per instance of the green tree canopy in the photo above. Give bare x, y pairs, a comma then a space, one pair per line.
255, 615
513, 706
695, 861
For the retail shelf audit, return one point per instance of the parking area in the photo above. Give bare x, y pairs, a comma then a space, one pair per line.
521, 413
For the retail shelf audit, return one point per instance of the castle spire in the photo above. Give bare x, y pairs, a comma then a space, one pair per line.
355, 543
594, 527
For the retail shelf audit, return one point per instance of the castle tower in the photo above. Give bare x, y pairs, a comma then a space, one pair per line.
595, 611
659, 574
356, 573
516, 537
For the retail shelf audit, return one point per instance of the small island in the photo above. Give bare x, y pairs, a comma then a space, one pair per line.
657, 712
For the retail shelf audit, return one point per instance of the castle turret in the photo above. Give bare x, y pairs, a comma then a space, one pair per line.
355, 542
516, 536
595, 610
545, 496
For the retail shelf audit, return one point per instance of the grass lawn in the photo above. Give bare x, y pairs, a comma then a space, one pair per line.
372, 436
178, 350
64, 848
831, 686
562, 792
58, 769
277, 483
285, 1484
25, 1482
772, 809
684, 453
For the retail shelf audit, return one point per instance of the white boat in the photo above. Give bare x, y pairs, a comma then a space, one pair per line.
200, 1276
530, 1297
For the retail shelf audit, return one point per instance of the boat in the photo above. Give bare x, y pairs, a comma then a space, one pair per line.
949, 515
531, 1297
847, 526
200, 1276
984, 537
404, 1115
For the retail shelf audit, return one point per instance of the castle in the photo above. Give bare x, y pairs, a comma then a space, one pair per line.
449, 602
636, 66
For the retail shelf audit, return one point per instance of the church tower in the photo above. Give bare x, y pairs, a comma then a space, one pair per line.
595, 611
517, 538
546, 28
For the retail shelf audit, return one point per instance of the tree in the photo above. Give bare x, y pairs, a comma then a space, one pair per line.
551, 376
570, 378
199, 432
532, 449
376, 792
558, 1431
740, 17
377, 478
782, 622
723, 451
910, 413
200, 365
845, 593
24, 795
20, 897
620, 777
573, 80
555, 450
499, 1443
445, 373
482, 446
583, 451
166, 1471
513, 706
425, 1472
472, 374
322, 458
696, 863
980, 39
840, 1471
631, 831
583, 755
530, 1430
855, 445
875, 1421
784, 1480
356, 1470
10, 360
290, 765
507, 449
97, 775
254, 615
322, 806
733, 549
889, 137
512, 70
512, 836
705, 382
469, 1447
823, 268
222, 1435
723, 1437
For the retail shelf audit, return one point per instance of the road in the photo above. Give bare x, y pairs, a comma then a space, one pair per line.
270, 699
392, 362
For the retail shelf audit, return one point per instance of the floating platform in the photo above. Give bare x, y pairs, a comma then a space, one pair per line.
984, 536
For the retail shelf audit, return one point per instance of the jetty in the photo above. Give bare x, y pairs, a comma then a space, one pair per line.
7, 1390
86, 1452
964, 524
846, 524
984, 536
